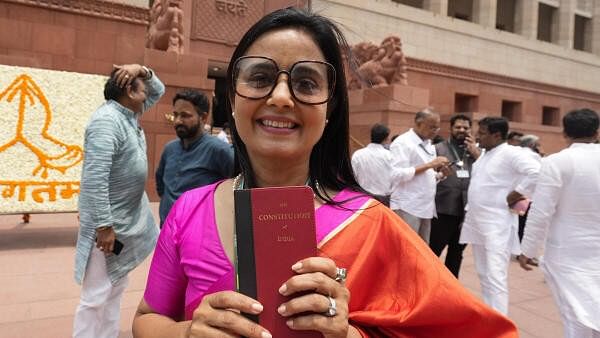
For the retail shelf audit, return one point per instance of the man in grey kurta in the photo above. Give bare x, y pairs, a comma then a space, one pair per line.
112, 203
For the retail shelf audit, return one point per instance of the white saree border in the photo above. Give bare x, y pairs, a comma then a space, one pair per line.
43, 114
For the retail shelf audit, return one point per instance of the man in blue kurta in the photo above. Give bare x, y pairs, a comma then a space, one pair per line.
195, 159
113, 205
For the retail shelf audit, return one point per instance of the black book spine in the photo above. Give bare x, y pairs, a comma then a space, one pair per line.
244, 244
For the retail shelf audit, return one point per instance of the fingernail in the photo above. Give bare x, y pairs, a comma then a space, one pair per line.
283, 289
290, 323
297, 266
257, 307
265, 334
281, 309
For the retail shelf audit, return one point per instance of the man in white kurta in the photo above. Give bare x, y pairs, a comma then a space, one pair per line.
415, 167
372, 165
499, 177
565, 215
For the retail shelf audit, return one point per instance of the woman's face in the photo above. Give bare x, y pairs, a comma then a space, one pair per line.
278, 125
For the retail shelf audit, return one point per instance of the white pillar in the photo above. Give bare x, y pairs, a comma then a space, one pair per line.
439, 7
564, 27
595, 30
484, 12
526, 21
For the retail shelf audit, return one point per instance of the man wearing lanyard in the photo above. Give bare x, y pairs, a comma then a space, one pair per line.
415, 171
451, 194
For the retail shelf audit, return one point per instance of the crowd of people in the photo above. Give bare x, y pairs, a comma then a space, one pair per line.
382, 216
479, 191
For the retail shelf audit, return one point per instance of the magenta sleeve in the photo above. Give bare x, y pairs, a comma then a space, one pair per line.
167, 282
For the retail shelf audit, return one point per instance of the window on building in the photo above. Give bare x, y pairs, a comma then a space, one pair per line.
546, 22
461, 9
505, 15
511, 110
550, 116
582, 34
411, 3
464, 103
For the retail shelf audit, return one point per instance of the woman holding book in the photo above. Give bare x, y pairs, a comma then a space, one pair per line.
288, 112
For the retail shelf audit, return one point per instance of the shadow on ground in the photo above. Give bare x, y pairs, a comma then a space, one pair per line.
38, 238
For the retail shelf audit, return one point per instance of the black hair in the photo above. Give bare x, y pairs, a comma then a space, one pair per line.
580, 123
495, 124
514, 134
195, 97
462, 117
112, 91
330, 158
379, 132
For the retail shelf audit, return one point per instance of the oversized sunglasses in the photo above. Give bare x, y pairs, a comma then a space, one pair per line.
310, 82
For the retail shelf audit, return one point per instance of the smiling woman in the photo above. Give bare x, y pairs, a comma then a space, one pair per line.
290, 127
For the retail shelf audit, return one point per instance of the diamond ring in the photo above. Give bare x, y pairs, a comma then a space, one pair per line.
340, 275
332, 309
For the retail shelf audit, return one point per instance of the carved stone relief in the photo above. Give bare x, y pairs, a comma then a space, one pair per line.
97, 8
377, 66
224, 20
165, 31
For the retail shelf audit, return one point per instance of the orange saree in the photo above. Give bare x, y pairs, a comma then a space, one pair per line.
398, 287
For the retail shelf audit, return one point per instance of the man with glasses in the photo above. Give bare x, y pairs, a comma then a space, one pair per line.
415, 171
196, 159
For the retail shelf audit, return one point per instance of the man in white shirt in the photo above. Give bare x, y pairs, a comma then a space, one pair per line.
415, 167
565, 215
372, 164
500, 177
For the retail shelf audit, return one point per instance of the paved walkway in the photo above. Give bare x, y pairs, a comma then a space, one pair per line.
38, 295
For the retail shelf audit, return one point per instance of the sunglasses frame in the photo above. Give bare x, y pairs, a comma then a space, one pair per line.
234, 75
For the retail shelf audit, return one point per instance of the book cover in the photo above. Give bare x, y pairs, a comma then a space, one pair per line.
275, 228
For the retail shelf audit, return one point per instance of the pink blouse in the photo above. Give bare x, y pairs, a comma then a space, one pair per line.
190, 261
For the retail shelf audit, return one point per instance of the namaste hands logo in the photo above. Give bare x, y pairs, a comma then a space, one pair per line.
31, 128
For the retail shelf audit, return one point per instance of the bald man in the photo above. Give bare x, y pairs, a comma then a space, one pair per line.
416, 168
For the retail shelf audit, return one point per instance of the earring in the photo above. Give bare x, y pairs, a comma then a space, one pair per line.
233, 114
326, 121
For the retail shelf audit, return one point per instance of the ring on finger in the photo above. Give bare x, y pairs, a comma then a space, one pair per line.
332, 309
340, 275
126, 76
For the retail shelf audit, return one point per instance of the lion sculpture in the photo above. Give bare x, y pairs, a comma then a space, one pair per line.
377, 66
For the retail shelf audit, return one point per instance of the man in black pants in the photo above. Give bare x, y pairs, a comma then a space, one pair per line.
451, 193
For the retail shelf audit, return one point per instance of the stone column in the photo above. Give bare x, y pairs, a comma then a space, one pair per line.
526, 21
484, 12
439, 7
595, 31
564, 27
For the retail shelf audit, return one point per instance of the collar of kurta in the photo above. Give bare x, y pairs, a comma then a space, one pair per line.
417, 139
126, 111
193, 144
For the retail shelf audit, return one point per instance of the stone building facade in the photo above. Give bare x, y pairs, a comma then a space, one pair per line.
528, 60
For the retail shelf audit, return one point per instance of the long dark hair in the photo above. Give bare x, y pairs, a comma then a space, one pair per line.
330, 158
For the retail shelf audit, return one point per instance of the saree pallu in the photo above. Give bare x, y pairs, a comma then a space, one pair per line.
398, 287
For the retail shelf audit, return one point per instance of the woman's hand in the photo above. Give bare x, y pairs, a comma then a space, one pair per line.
317, 276
219, 315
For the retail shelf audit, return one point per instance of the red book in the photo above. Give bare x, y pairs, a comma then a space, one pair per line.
275, 228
